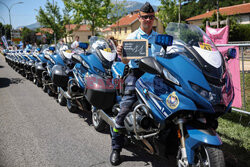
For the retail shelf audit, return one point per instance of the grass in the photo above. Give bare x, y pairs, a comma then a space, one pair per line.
236, 135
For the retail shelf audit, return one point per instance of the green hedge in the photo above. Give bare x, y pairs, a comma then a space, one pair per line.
240, 32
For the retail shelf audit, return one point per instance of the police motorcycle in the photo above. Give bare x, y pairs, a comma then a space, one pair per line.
40, 65
53, 57
21, 62
97, 60
32, 59
180, 97
61, 74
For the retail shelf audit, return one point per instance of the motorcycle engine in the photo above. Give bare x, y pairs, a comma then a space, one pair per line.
143, 121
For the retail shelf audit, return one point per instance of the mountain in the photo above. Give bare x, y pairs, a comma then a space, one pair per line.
31, 26
131, 6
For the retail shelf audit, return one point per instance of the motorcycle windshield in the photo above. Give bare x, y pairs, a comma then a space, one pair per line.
191, 39
105, 49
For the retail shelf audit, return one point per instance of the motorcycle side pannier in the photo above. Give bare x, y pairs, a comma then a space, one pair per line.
39, 69
99, 92
59, 76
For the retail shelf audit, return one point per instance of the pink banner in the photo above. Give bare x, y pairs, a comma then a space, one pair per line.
220, 36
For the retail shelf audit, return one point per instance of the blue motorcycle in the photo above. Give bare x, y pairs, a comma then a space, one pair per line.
97, 60
53, 58
183, 91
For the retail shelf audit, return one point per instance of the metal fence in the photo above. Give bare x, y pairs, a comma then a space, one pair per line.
244, 48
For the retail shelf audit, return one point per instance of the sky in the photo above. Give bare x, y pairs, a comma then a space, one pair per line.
25, 14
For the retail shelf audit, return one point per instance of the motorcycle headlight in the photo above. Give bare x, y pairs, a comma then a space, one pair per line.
204, 93
99, 71
168, 76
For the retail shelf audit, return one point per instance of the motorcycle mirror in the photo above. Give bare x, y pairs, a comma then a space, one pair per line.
77, 58
164, 40
231, 53
150, 65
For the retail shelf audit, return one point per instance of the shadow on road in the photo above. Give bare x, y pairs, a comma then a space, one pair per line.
5, 82
1, 66
139, 154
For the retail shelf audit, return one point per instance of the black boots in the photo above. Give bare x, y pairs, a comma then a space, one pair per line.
115, 158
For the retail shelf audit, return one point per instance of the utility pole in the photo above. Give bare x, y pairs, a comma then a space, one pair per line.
54, 22
179, 11
218, 21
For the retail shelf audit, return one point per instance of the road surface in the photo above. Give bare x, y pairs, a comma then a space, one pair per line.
36, 131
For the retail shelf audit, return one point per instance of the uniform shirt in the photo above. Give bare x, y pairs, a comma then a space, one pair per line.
152, 49
74, 44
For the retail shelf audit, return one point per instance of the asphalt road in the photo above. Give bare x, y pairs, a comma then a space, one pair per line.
36, 131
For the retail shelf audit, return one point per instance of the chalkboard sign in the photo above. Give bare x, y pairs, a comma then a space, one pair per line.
135, 48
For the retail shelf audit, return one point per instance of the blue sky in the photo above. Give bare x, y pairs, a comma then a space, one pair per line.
25, 13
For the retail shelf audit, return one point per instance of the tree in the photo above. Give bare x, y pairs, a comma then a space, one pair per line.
98, 13
28, 35
7, 29
2, 30
50, 17
168, 12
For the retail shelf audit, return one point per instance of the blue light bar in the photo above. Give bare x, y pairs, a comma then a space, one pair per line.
52, 48
83, 45
164, 40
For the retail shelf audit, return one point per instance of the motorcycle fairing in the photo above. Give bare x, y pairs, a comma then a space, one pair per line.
93, 62
155, 92
196, 137
79, 72
186, 71
58, 59
118, 69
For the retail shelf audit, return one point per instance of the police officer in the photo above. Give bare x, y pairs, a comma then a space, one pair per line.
146, 18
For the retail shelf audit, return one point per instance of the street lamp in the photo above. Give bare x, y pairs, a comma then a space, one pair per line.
9, 8
2, 19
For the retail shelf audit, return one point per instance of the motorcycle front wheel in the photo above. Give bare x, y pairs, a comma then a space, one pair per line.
205, 156
98, 123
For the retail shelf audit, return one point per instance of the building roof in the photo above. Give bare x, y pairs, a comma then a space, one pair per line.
106, 29
84, 27
229, 10
126, 20
49, 30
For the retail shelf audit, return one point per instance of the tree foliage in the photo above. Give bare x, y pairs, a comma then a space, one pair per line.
98, 13
5, 30
28, 35
168, 12
50, 17
192, 8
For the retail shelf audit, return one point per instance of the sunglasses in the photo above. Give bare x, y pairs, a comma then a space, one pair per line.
151, 17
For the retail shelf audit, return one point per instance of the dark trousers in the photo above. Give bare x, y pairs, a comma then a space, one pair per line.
126, 104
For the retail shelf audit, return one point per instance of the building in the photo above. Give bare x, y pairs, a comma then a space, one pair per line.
83, 31
128, 24
241, 11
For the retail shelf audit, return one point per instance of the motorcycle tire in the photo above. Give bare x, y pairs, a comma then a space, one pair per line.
206, 155
45, 88
61, 99
50, 92
99, 124
72, 107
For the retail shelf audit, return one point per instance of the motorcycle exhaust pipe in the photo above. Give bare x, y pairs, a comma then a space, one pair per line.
106, 118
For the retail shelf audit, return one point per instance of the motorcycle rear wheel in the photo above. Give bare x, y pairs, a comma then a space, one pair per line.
206, 156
